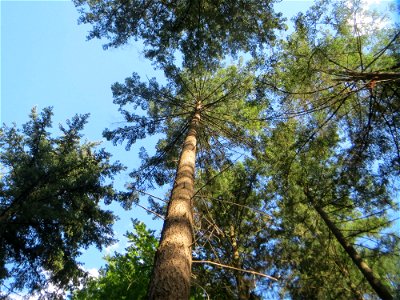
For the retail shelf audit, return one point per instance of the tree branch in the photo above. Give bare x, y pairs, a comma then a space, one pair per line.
233, 268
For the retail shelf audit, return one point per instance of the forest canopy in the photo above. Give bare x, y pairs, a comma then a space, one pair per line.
280, 151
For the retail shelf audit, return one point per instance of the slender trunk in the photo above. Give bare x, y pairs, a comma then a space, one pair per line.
357, 294
374, 282
173, 259
241, 286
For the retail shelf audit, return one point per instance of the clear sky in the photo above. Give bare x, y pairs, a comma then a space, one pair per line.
46, 61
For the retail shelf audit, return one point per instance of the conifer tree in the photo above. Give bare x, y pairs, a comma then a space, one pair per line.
202, 115
50, 194
337, 62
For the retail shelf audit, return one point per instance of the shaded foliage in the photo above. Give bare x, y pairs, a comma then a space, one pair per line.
230, 230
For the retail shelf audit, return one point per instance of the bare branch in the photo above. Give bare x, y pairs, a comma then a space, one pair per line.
233, 268
151, 211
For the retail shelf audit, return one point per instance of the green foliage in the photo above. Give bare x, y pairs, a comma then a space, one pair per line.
227, 104
336, 86
125, 276
50, 192
203, 31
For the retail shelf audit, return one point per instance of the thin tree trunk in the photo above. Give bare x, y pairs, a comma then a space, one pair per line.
374, 282
376, 76
357, 294
173, 259
241, 286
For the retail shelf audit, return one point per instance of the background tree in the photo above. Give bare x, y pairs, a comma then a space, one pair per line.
344, 70
340, 61
230, 232
50, 193
125, 276
312, 186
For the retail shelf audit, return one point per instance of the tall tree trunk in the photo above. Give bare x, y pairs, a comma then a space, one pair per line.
173, 259
374, 282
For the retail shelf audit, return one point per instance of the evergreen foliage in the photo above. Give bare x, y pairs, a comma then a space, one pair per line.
231, 221
312, 263
337, 63
227, 101
50, 195
203, 31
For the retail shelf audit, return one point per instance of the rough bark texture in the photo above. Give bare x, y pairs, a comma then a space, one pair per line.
173, 260
374, 282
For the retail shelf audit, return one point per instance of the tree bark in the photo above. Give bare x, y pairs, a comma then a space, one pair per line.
374, 282
173, 259
376, 76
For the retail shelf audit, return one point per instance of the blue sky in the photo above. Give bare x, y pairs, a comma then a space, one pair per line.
46, 61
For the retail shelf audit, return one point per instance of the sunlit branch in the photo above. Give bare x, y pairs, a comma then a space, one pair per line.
330, 60
186, 86
175, 102
229, 95
236, 204
153, 164
224, 130
234, 268
168, 117
274, 87
150, 211
215, 176
326, 121
378, 213
151, 195
214, 91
